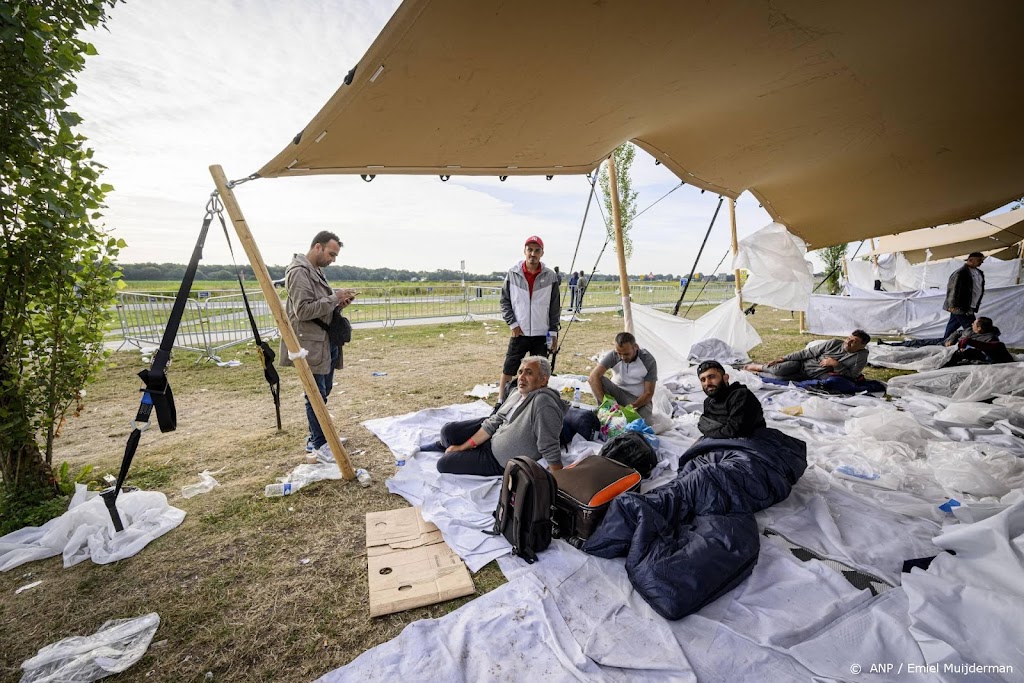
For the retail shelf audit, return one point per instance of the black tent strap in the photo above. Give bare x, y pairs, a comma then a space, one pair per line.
675, 311
156, 394
267, 354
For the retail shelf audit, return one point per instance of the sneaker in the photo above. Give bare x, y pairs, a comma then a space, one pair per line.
324, 454
309, 443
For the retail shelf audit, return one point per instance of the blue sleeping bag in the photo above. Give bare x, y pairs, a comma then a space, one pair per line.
833, 384
694, 539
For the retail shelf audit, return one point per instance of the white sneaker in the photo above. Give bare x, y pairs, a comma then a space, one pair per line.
324, 454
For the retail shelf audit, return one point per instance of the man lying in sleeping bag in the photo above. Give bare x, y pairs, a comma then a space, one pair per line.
694, 539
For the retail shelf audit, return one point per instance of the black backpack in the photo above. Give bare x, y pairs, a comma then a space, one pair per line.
523, 515
632, 450
340, 329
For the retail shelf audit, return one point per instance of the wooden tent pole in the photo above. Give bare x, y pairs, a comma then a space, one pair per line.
283, 324
735, 251
613, 188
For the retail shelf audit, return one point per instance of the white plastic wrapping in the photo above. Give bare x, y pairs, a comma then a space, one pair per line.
963, 383
974, 469
915, 315
780, 274
910, 358
891, 426
86, 532
117, 645
970, 413
902, 276
206, 484
670, 338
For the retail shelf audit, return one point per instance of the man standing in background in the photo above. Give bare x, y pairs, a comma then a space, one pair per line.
530, 307
573, 281
963, 294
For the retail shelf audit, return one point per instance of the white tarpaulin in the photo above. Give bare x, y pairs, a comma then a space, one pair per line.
86, 532
963, 383
780, 275
670, 338
928, 275
918, 316
910, 358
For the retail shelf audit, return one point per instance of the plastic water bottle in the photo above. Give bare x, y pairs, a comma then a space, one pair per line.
363, 477
286, 488
548, 342
576, 398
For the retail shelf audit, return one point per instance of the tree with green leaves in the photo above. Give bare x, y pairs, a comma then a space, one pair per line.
58, 264
833, 258
624, 154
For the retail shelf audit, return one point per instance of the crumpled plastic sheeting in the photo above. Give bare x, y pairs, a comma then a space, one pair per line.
669, 338
985, 414
780, 274
86, 532
970, 603
918, 316
890, 426
117, 645
963, 383
910, 358
975, 469
716, 349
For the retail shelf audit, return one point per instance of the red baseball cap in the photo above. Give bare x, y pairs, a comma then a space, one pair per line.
534, 238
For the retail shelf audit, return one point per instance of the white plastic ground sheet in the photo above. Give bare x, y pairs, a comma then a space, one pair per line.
85, 531
963, 383
877, 473
912, 314
909, 358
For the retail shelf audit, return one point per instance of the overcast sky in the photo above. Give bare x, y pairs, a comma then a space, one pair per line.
182, 84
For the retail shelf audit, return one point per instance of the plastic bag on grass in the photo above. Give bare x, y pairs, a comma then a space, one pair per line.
207, 482
614, 417
117, 645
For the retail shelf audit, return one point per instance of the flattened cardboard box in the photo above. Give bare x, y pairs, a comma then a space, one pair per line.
409, 564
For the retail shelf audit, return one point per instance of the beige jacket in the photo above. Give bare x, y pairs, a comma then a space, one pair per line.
310, 296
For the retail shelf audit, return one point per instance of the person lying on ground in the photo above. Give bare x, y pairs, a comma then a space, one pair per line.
731, 411
528, 423
634, 376
981, 330
844, 357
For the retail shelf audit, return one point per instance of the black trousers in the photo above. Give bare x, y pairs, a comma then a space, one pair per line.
479, 460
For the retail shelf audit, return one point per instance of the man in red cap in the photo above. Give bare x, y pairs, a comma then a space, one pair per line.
530, 307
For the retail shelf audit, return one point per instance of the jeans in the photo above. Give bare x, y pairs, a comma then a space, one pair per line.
324, 383
958, 320
479, 460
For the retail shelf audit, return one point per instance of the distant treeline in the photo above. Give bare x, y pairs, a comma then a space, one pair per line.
176, 271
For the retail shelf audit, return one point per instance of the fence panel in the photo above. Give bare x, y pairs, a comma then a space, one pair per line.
371, 306
426, 302
227, 323
144, 317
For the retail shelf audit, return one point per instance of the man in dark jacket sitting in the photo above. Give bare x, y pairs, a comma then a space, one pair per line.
731, 411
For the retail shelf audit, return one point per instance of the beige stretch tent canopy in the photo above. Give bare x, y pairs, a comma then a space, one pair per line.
846, 119
948, 241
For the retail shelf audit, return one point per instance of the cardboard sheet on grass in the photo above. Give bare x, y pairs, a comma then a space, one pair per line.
409, 564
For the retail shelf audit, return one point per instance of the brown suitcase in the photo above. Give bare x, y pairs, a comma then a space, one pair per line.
585, 490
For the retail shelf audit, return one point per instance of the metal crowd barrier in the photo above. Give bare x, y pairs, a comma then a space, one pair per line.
209, 323
216, 320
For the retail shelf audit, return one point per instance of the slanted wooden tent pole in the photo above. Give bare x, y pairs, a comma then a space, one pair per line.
613, 189
735, 251
291, 340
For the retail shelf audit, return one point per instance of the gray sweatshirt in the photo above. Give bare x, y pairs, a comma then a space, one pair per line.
533, 429
851, 365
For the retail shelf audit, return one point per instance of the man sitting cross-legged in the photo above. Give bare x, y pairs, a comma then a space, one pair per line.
731, 411
844, 357
527, 424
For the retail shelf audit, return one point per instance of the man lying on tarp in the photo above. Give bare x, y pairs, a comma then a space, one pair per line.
694, 539
843, 357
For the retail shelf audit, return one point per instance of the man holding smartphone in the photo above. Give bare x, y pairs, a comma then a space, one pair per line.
311, 298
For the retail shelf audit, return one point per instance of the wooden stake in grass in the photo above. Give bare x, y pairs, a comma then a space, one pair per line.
291, 340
